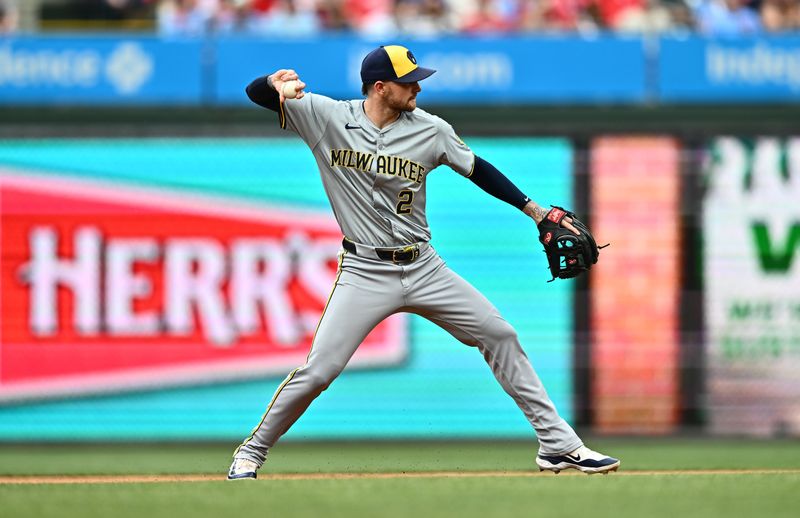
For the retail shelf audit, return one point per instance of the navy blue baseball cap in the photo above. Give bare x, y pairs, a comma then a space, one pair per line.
392, 63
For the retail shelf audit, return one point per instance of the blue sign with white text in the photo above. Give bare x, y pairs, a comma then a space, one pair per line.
729, 70
502, 70
100, 70
475, 70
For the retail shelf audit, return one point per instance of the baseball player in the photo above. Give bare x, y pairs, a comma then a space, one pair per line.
374, 156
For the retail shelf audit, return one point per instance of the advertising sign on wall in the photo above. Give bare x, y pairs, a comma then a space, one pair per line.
135, 70
751, 225
106, 288
118, 71
163, 288
99, 70
635, 198
493, 70
729, 69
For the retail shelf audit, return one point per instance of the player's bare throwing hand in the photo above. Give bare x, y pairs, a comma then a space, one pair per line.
374, 156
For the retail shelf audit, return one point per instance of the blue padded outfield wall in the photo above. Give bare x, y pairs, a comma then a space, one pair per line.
441, 389
108, 70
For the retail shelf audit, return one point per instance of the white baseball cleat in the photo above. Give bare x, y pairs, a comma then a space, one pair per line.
242, 469
583, 459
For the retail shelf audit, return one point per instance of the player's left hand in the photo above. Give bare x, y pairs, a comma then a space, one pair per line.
568, 244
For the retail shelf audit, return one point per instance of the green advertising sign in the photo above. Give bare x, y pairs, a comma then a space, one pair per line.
752, 274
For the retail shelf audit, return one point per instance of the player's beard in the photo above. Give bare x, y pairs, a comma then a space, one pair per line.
403, 102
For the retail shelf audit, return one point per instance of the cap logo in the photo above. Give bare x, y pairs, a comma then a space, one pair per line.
401, 58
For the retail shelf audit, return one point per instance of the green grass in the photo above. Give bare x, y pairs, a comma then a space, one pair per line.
706, 496
645, 495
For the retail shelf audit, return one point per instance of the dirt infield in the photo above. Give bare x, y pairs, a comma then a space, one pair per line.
145, 479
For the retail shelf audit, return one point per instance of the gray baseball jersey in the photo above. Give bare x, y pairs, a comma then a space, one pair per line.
375, 180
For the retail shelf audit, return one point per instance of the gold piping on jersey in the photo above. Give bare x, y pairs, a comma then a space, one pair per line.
399, 57
291, 374
281, 116
472, 169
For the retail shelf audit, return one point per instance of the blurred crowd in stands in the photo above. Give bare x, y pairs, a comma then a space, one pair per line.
426, 18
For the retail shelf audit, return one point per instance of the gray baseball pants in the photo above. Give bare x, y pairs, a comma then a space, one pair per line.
368, 290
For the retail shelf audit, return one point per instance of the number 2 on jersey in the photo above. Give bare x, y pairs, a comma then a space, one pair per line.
404, 200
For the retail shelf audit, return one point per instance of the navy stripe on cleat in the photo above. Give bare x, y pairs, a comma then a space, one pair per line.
243, 469
583, 459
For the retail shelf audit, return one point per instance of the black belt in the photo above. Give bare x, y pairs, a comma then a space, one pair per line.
404, 255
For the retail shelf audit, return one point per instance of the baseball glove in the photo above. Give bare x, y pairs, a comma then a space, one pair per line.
568, 255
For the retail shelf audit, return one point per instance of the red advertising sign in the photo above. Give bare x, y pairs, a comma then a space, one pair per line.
635, 203
109, 287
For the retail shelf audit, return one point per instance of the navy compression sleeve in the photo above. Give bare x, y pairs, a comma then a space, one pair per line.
261, 93
487, 177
